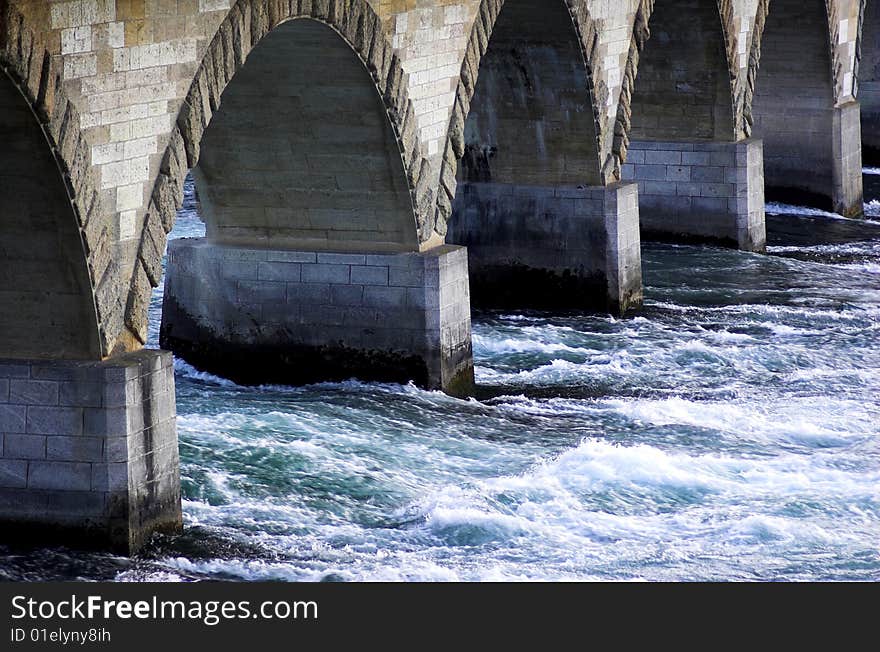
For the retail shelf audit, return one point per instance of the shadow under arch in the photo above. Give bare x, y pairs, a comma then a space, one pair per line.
301, 154
523, 160
869, 83
48, 306
317, 264
245, 26
684, 87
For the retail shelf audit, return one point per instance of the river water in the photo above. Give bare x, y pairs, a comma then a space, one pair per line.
730, 431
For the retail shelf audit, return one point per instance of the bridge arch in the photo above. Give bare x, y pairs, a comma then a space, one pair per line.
300, 156
796, 108
521, 181
363, 72
524, 109
47, 260
684, 83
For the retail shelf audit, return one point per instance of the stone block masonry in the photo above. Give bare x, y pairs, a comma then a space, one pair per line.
700, 191
88, 451
551, 247
295, 317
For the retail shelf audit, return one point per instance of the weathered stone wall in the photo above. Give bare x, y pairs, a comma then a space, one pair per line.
803, 87
258, 316
869, 82
88, 451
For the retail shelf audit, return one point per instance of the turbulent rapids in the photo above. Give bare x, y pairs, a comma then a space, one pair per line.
730, 431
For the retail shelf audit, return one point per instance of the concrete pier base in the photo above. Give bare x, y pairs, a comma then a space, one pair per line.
296, 317
550, 247
847, 192
89, 451
813, 156
700, 191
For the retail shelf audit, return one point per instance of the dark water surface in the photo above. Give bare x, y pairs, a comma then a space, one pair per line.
730, 431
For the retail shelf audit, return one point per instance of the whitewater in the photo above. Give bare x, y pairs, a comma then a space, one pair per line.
729, 431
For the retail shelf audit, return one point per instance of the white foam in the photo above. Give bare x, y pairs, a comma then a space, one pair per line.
777, 208
871, 171
183, 368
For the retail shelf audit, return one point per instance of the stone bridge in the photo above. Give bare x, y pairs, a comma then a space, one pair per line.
362, 166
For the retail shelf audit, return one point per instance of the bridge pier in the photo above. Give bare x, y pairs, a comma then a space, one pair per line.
89, 451
804, 110
549, 246
815, 156
296, 317
700, 190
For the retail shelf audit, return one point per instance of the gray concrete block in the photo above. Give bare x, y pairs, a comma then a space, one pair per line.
33, 392
111, 422
336, 304
13, 473
326, 273
60, 476
365, 275
678, 173
257, 292
651, 172
712, 174
75, 449
56, 464
406, 277
391, 260
110, 477
77, 503
13, 418
308, 294
696, 159
710, 205
115, 449
13, 370
724, 158
717, 190
381, 297
275, 271
54, 420
25, 447
669, 157
322, 316
16, 502
83, 394
346, 295
342, 259
291, 256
